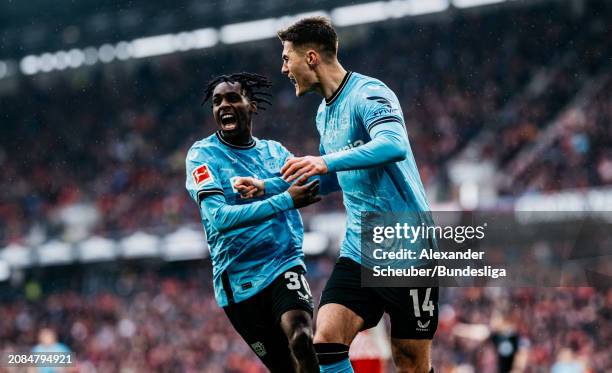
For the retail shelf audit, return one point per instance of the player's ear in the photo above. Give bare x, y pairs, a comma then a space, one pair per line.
312, 58
253, 106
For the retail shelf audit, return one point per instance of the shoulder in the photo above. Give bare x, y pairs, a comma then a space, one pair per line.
269, 143
209, 143
272, 147
367, 85
372, 94
206, 147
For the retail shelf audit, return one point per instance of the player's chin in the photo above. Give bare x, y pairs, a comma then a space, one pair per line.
299, 91
229, 127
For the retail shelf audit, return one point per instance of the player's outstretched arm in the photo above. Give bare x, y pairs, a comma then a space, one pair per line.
389, 144
225, 217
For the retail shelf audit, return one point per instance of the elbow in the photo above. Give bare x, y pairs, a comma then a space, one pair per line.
221, 228
401, 155
218, 223
400, 150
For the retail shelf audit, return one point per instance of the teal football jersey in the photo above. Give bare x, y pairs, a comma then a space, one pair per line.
362, 109
248, 258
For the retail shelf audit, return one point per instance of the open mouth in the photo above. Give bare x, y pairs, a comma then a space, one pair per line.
229, 121
293, 81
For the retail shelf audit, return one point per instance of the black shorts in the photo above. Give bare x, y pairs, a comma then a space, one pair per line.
413, 311
257, 319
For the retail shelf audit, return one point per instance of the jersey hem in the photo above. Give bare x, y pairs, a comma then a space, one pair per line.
269, 280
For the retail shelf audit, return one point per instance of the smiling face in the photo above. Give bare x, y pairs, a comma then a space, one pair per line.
297, 68
232, 109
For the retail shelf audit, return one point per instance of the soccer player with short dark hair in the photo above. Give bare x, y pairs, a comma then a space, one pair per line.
364, 142
255, 245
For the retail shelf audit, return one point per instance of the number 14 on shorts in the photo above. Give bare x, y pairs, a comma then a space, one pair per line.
426, 306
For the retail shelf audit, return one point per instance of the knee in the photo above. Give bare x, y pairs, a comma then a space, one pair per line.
300, 341
325, 337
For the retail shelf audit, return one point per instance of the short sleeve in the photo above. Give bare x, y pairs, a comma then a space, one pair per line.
377, 104
202, 175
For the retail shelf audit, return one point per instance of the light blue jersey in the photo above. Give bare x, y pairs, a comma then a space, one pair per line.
55, 347
252, 241
364, 140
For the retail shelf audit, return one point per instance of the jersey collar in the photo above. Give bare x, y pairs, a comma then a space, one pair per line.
250, 145
340, 88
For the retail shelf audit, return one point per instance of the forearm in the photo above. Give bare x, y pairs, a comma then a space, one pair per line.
224, 217
277, 185
388, 146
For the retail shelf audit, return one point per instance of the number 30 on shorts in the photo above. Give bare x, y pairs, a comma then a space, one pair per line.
296, 281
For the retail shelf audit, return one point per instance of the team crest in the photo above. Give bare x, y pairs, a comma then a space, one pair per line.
259, 349
202, 175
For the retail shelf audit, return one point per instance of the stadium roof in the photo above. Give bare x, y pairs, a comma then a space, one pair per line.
38, 36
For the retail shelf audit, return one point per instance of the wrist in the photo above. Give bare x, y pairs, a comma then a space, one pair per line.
286, 200
329, 161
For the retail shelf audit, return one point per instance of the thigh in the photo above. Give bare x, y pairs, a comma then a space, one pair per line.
290, 291
346, 307
254, 321
337, 324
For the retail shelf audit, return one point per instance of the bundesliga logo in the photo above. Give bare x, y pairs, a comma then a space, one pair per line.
202, 175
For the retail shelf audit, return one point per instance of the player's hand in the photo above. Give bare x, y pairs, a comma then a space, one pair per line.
249, 187
304, 194
303, 167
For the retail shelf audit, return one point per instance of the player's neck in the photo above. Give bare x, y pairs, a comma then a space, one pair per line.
238, 139
330, 78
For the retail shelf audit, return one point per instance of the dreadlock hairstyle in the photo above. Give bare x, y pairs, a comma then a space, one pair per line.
250, 83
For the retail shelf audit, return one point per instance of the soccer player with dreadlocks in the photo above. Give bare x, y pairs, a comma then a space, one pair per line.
255, 244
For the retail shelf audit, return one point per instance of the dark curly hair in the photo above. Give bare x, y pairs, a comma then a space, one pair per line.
250, 83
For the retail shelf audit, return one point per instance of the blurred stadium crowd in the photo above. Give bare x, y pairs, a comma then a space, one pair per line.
166, 320
115, 136
492, 85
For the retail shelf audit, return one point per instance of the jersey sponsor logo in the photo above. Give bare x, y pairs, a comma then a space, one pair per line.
350, 145
202, 175
259, 349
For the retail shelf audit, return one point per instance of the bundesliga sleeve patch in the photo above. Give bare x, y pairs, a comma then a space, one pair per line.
202, 175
